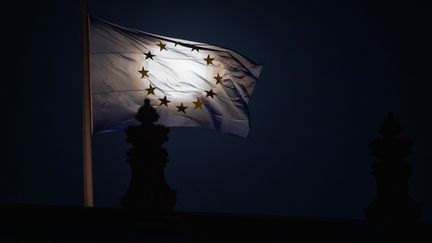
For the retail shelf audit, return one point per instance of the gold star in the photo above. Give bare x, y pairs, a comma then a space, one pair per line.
218, 79
181, 108
198, 104
210, 93
149, 55
143, 72
151, 90
161, 45
209, 60
164, 101
195, 48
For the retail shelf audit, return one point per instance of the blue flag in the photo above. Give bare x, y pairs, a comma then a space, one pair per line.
188, 83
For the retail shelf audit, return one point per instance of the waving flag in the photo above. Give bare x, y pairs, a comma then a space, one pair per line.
188, 83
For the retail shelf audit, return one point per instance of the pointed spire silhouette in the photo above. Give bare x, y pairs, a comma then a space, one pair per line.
392, 203
148, 191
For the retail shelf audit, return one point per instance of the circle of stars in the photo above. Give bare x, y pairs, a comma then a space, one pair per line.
198, 103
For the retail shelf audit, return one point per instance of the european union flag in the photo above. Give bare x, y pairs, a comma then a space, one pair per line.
189, 83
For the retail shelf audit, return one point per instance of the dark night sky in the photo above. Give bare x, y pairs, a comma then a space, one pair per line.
332, 70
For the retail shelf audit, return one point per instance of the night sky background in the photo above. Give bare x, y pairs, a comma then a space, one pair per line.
332, 70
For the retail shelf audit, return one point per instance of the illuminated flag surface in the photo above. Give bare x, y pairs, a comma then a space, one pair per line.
189, 83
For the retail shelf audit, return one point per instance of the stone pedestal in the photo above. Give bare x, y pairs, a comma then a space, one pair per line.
148, 190
392, 203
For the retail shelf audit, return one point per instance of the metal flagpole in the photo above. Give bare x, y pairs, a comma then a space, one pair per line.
86, 107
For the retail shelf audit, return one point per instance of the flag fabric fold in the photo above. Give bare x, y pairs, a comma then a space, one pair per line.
188, 83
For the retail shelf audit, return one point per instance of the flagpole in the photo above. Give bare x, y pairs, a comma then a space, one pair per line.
86, 108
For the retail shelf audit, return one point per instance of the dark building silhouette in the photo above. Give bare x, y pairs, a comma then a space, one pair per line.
148, 190
392, 204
